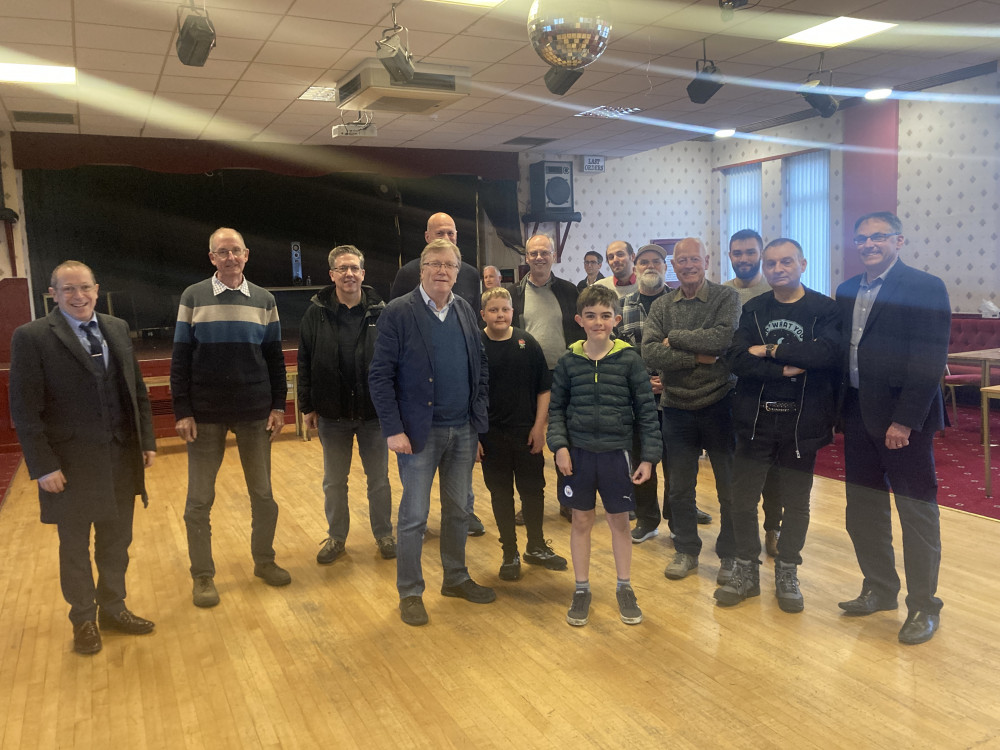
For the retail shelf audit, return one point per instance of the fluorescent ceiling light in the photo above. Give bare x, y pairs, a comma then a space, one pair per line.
875, 94
725, 133
473, 3
320, 94
21, 73
611, 113
838, 31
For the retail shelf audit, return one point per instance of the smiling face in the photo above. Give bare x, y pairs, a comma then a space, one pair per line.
598, 322
784, 266
690, 261
620, 261
877, 256
229, 256
745, 257
438, 272
538, 251
650, 270
347, 275
75, 292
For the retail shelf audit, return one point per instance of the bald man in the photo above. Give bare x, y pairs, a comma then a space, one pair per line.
440, 226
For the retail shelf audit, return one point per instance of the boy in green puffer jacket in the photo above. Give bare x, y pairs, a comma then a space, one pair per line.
600, 388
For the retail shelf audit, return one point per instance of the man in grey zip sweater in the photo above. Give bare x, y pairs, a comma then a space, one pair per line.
786, 353
683, 339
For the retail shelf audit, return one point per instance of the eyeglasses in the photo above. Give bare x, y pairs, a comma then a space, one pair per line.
861, 239
591, 262
71, 291
437, 265
237, 253
539, 254
346, 269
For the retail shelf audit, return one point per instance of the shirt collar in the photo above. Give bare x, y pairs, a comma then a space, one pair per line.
548, 281
218, 287
430, 303
74, 323
701, 294
630, 282
865, 284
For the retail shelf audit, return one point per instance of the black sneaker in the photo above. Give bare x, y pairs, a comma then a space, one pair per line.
545, 557
332, 549
786, 587
641, 533
510, 568
627, 606
579, 610
476, 527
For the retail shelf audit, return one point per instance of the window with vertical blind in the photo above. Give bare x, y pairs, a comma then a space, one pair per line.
742, 207
806, 218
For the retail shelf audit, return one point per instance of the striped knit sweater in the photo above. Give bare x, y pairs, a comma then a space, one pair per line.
227, 363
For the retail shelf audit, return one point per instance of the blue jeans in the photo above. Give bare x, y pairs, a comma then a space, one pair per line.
686, 432
450, 451
337, 437
204, 459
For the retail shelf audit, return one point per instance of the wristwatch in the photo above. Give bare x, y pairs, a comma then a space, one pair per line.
769, 349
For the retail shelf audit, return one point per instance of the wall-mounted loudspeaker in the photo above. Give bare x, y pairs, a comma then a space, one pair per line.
551, 187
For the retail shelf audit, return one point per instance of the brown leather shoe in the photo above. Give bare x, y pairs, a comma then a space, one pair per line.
771, 542
86, 638
125, 622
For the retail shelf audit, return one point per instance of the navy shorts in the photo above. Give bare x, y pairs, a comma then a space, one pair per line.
609, 473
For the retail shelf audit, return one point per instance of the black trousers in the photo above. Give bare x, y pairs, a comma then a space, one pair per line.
647, 502
111, 542
770, 460
872, 470
508, 461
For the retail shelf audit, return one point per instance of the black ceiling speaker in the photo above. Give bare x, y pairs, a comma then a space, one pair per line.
196, 37
560, 80
707, 79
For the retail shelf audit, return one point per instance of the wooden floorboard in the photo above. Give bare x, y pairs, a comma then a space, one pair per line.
327, 662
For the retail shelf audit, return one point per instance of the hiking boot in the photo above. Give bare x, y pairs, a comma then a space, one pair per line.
386, 547
205, 594
510, 568
627, 606
544, 556
579, 610
476, 527
726, 565
743, 583
681, 565
273, 574
332, 549
786, 587
771, 542
641, 533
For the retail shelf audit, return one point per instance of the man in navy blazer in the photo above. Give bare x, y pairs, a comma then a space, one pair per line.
428, 382
84, 423
896, 323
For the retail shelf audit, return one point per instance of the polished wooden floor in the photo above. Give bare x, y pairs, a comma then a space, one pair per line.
326, 662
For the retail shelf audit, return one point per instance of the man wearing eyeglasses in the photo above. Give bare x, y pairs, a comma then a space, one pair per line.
84, 423
896, 323
336, 345
428, 381
592, 262
228, 373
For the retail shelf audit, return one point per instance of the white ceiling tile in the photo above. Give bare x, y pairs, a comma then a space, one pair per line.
244, 25
56, 10
477, 49
101, 81
37, 54
35, 31
320, 33
230, 70
360, 13
262, 73
286, 91
142, 15
281, 53
40, 104
439, 17
123, 39
252, 105
188, 85
234, 49
132, 62
226, 119
262, 6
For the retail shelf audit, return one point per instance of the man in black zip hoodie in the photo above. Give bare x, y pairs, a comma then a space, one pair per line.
786, 354
336, 347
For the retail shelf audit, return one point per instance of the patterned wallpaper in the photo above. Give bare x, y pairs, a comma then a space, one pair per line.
949, 190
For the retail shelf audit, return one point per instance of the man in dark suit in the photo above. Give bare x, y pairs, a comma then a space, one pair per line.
428, 382
896, 323
86, 429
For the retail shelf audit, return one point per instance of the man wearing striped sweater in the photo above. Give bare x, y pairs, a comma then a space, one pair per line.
228, 373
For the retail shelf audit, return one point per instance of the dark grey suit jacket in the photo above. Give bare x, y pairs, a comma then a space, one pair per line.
56, 405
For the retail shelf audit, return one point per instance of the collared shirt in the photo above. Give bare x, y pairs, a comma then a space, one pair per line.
862, 309
218, 287
443, 312
82, 336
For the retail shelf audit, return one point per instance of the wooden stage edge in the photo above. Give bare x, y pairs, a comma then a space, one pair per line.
326, 660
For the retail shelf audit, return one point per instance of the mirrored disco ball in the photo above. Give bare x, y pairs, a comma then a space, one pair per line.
568, 34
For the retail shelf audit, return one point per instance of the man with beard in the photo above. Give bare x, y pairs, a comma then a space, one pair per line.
621, 261
745, 252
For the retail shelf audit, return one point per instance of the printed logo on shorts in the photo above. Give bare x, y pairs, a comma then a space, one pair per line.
568, 491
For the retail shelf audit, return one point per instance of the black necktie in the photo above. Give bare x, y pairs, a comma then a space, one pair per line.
96, 350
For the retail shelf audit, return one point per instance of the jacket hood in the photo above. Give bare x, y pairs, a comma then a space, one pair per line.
618, 345
327, 297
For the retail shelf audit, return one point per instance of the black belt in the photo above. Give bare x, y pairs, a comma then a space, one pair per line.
779, 407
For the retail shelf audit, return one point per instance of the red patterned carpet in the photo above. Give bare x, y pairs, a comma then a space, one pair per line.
958, 458
8, 467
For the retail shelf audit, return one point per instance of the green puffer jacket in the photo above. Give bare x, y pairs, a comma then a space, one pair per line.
594, 405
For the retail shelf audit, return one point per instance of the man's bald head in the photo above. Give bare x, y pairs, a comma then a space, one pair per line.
441, 226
